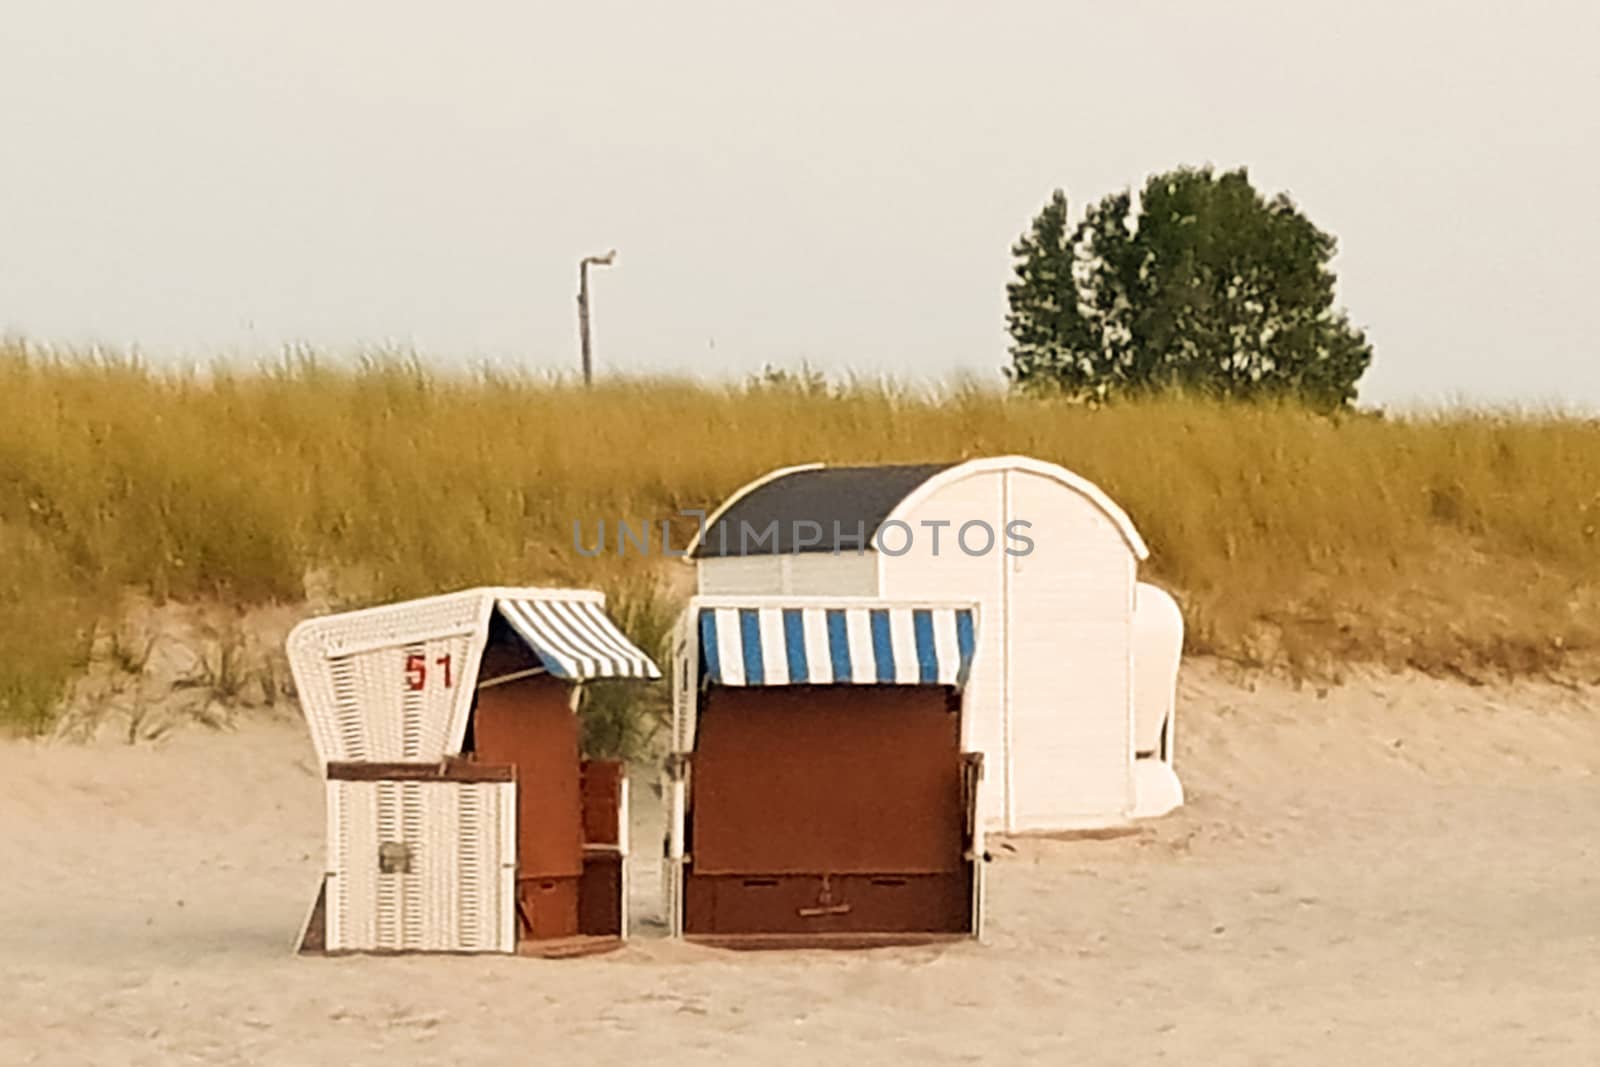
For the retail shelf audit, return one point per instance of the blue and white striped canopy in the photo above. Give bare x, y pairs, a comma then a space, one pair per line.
820, 645
575, 639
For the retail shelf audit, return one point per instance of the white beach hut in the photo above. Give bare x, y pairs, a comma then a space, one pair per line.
1053, 563
460, 815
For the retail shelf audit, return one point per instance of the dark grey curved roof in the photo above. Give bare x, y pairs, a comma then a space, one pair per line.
846, 504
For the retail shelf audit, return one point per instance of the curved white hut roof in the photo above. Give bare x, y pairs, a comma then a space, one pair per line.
848, 505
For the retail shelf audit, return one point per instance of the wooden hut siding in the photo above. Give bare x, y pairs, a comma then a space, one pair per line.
736, 575
825, 574
1050, 701
420, 866
1069, 608
809, 574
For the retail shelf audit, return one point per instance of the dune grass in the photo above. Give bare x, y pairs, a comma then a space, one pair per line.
1458, 541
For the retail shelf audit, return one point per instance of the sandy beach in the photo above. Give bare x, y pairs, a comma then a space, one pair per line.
1397, 869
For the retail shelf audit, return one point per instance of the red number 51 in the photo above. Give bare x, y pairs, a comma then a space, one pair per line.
417, 671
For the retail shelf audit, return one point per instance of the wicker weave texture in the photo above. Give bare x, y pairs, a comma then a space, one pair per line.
421, 866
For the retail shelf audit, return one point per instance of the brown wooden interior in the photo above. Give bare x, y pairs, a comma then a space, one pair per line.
601, 783
569, 868
600, 900
600, 890
828, 811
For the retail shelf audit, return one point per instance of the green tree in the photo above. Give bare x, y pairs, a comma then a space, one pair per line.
1049, 335
1210, 288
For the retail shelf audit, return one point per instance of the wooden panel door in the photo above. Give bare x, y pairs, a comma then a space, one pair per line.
1069, 607
529, 724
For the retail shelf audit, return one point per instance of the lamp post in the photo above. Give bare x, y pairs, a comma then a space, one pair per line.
583, 308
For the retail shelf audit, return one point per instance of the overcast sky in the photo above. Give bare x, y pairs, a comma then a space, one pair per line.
836, 181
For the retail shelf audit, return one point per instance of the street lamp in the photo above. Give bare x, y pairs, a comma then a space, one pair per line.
583, 308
